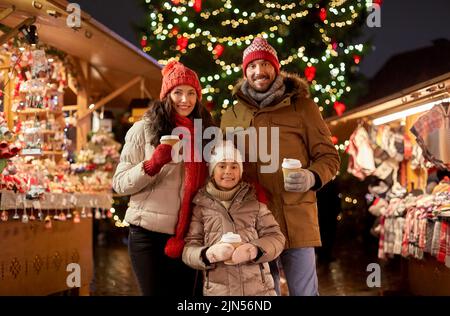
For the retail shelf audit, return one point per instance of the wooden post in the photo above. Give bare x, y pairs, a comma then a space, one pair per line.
7, 95
84, 121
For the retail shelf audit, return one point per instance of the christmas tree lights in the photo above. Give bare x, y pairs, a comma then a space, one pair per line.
313, 38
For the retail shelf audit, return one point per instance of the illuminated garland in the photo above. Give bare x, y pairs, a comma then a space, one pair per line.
173, 22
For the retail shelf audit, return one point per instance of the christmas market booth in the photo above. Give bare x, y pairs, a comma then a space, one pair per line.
57, 73
400, 146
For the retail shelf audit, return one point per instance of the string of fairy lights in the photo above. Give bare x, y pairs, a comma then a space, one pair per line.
334, 88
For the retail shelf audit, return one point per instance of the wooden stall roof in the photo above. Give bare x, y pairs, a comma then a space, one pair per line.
118, 61
421, 93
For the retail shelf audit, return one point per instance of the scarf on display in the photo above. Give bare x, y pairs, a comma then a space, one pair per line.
195, 174
264, 99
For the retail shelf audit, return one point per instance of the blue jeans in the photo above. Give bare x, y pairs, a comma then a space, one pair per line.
299, 266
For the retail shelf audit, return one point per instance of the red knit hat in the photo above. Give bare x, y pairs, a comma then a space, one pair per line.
260, 49
177, 74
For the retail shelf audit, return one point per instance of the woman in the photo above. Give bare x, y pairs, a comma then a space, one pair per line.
161, 191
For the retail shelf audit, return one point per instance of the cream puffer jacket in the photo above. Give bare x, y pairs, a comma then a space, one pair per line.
155, 201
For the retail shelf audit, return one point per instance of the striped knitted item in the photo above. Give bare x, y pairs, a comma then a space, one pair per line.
260, 49
442, 242
435, 240
447, 257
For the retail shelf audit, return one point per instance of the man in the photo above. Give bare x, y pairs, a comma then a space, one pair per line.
267, 97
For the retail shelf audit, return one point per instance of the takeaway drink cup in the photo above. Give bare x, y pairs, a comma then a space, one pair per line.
233, 239
290, 165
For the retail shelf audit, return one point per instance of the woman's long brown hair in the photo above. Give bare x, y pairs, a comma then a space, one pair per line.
159, 114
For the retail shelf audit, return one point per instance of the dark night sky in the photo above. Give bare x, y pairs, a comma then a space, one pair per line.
405, 25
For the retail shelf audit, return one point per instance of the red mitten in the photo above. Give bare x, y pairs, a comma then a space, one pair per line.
161, 156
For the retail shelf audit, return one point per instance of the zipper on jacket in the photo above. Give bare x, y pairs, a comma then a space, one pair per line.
226, 211
207, 279
261, 270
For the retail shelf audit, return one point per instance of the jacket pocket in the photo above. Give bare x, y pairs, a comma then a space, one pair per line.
261, 270
207, 280
295, 198
288, 121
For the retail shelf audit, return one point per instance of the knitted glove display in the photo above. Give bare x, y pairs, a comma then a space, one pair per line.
244, 253
161, 156
219, 252
301, 181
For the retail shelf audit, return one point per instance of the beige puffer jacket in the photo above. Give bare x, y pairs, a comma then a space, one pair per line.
155, 201
246, 217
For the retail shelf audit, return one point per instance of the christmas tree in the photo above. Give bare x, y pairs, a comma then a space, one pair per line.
313, 38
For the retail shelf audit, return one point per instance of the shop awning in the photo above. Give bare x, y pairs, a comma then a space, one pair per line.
115, 62
425, 92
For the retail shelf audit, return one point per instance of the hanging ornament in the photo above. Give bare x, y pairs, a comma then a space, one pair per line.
182, 42
310, 73
334, 139
25, 217
357, 59
323, 14
218, 50
76, 217
48, 222
175, 30
143, 41
210, 106
83, 212
109, 214
4, 216
69, 214
98, 214
198, 5
339, 108
334, 45
62, 216
176, 2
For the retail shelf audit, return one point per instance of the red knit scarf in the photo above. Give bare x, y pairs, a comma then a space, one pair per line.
195, 174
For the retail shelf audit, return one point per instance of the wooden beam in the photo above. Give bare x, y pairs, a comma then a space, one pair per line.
111, 96
81, 78
68, 108
103, 77
7, 12
5, 37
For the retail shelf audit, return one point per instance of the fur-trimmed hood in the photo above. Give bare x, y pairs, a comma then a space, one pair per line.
295, 85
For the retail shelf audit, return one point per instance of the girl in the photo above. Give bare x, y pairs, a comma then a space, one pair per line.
229, 206
161, 191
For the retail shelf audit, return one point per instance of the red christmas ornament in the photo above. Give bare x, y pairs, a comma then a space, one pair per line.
310, 73
334, 45
182, 42
379, 2
218, 50
339, 108
356, 59
143, 41
176, 2
198, 5
323, 14
334, 139
210, 106
175, 30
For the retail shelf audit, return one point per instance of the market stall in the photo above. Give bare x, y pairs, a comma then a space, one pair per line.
54, 184
400, 146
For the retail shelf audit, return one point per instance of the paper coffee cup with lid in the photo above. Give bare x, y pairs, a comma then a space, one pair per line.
169, 139
174, 141
290, 165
